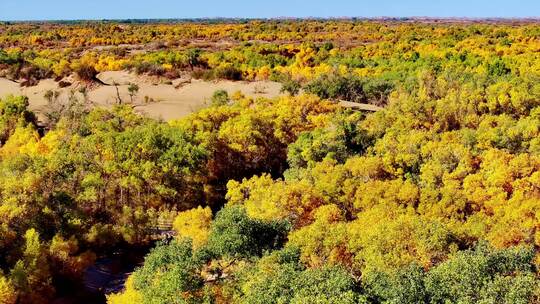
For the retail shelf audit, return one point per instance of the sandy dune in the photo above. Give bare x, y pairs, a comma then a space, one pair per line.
168, 100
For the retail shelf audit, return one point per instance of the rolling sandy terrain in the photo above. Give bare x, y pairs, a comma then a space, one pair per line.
156, 98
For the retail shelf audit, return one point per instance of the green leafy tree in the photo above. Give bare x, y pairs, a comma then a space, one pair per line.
281, 278
170, 274
482, 275
235, 235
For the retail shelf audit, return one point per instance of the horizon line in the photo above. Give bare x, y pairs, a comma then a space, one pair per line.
217, 18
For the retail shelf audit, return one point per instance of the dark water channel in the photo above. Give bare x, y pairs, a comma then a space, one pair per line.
107, 275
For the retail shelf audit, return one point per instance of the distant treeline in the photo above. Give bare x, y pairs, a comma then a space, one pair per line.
217, 20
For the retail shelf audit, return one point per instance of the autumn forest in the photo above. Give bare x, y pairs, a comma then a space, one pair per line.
399, 163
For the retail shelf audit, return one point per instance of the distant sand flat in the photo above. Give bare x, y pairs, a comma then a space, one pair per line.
169, 102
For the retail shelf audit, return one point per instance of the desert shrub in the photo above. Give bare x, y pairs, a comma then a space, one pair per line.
172, 74
292, 87
86, 72
220, 97
31, 74
71, 108
133, 89
203, 74
11, 58
229, 73
149, 68
193, 57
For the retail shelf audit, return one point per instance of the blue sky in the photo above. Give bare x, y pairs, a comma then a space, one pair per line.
114, 9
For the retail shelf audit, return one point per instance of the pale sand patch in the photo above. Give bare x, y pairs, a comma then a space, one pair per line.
169, 103
8, 87
35, 94
120, 77
175, 103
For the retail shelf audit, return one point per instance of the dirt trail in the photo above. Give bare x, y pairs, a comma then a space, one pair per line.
166, 100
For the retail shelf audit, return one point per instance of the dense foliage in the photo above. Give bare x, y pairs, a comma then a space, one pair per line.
105, 178
434, 199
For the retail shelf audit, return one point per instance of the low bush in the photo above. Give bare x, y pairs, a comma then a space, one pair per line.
229, 73
86, 72
220, 97
149, 68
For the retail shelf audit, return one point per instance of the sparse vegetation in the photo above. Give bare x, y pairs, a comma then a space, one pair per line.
133, 89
